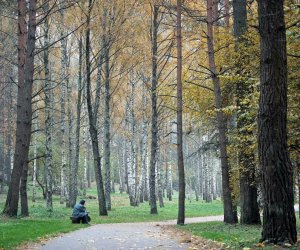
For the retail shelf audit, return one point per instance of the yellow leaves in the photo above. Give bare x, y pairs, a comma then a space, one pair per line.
227, 111
261, 244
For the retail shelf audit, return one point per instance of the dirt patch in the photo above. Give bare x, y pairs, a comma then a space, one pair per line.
186, 237
29, 245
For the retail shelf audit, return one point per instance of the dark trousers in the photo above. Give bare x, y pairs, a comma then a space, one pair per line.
84, 219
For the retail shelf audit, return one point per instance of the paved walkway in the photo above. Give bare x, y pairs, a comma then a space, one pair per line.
147, 235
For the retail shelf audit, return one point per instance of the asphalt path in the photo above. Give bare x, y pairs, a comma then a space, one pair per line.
148, 235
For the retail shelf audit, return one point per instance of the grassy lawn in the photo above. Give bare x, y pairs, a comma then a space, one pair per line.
42, 224
234, 236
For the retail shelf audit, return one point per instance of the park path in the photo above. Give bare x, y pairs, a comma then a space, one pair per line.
146, 235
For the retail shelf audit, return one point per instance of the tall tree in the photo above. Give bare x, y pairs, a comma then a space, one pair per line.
248, 190
26, 47
181, 176
154, 118
131, 148
64, 80
279, 223
230, 213
74, 169
144, 148
48, 114
93, 118
34, 142
107, 97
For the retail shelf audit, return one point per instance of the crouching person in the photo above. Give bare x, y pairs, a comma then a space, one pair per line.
80, 213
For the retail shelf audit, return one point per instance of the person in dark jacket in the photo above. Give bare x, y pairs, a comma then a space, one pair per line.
79, 211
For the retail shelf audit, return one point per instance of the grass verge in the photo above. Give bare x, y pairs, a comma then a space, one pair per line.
233, 236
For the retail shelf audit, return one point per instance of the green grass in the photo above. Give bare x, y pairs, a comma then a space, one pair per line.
15, 231
42, 224
233, 236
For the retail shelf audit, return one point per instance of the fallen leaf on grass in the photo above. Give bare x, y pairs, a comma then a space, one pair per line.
260, 244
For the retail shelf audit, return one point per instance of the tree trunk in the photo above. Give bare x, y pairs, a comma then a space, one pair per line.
181, 177
85, 152
106, 150
48, 115
279, 222
154, 118
144, 140
200, 174
248, 191
147, 191
74, 173
159, 184
9, 163
70, 170
168, 182
230, 213
298, 179
11, 204
34, 169
107, 95
93, 121
122, 164
132, 154
24, 108
227, 12
23, 191
2, 148
64, 59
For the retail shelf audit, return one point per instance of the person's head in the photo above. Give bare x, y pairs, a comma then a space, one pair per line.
82, 202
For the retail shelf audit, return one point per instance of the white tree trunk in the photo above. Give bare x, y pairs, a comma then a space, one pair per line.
144, 149
131, 150
159, 181
34, 170
85, 153
64, 61
48, 116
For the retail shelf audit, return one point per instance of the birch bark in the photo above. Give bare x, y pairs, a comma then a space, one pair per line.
93, 119
181, 174
48, 115
63, 85
154, 118
74, 173
132, 154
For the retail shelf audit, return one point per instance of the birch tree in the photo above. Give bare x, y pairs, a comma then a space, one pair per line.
48, 113
74, 170
64, 80
144, 149
181, 175
154, 118
131, 148
92, 113
107, 96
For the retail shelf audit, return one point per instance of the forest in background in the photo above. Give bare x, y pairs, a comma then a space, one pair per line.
104, 100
